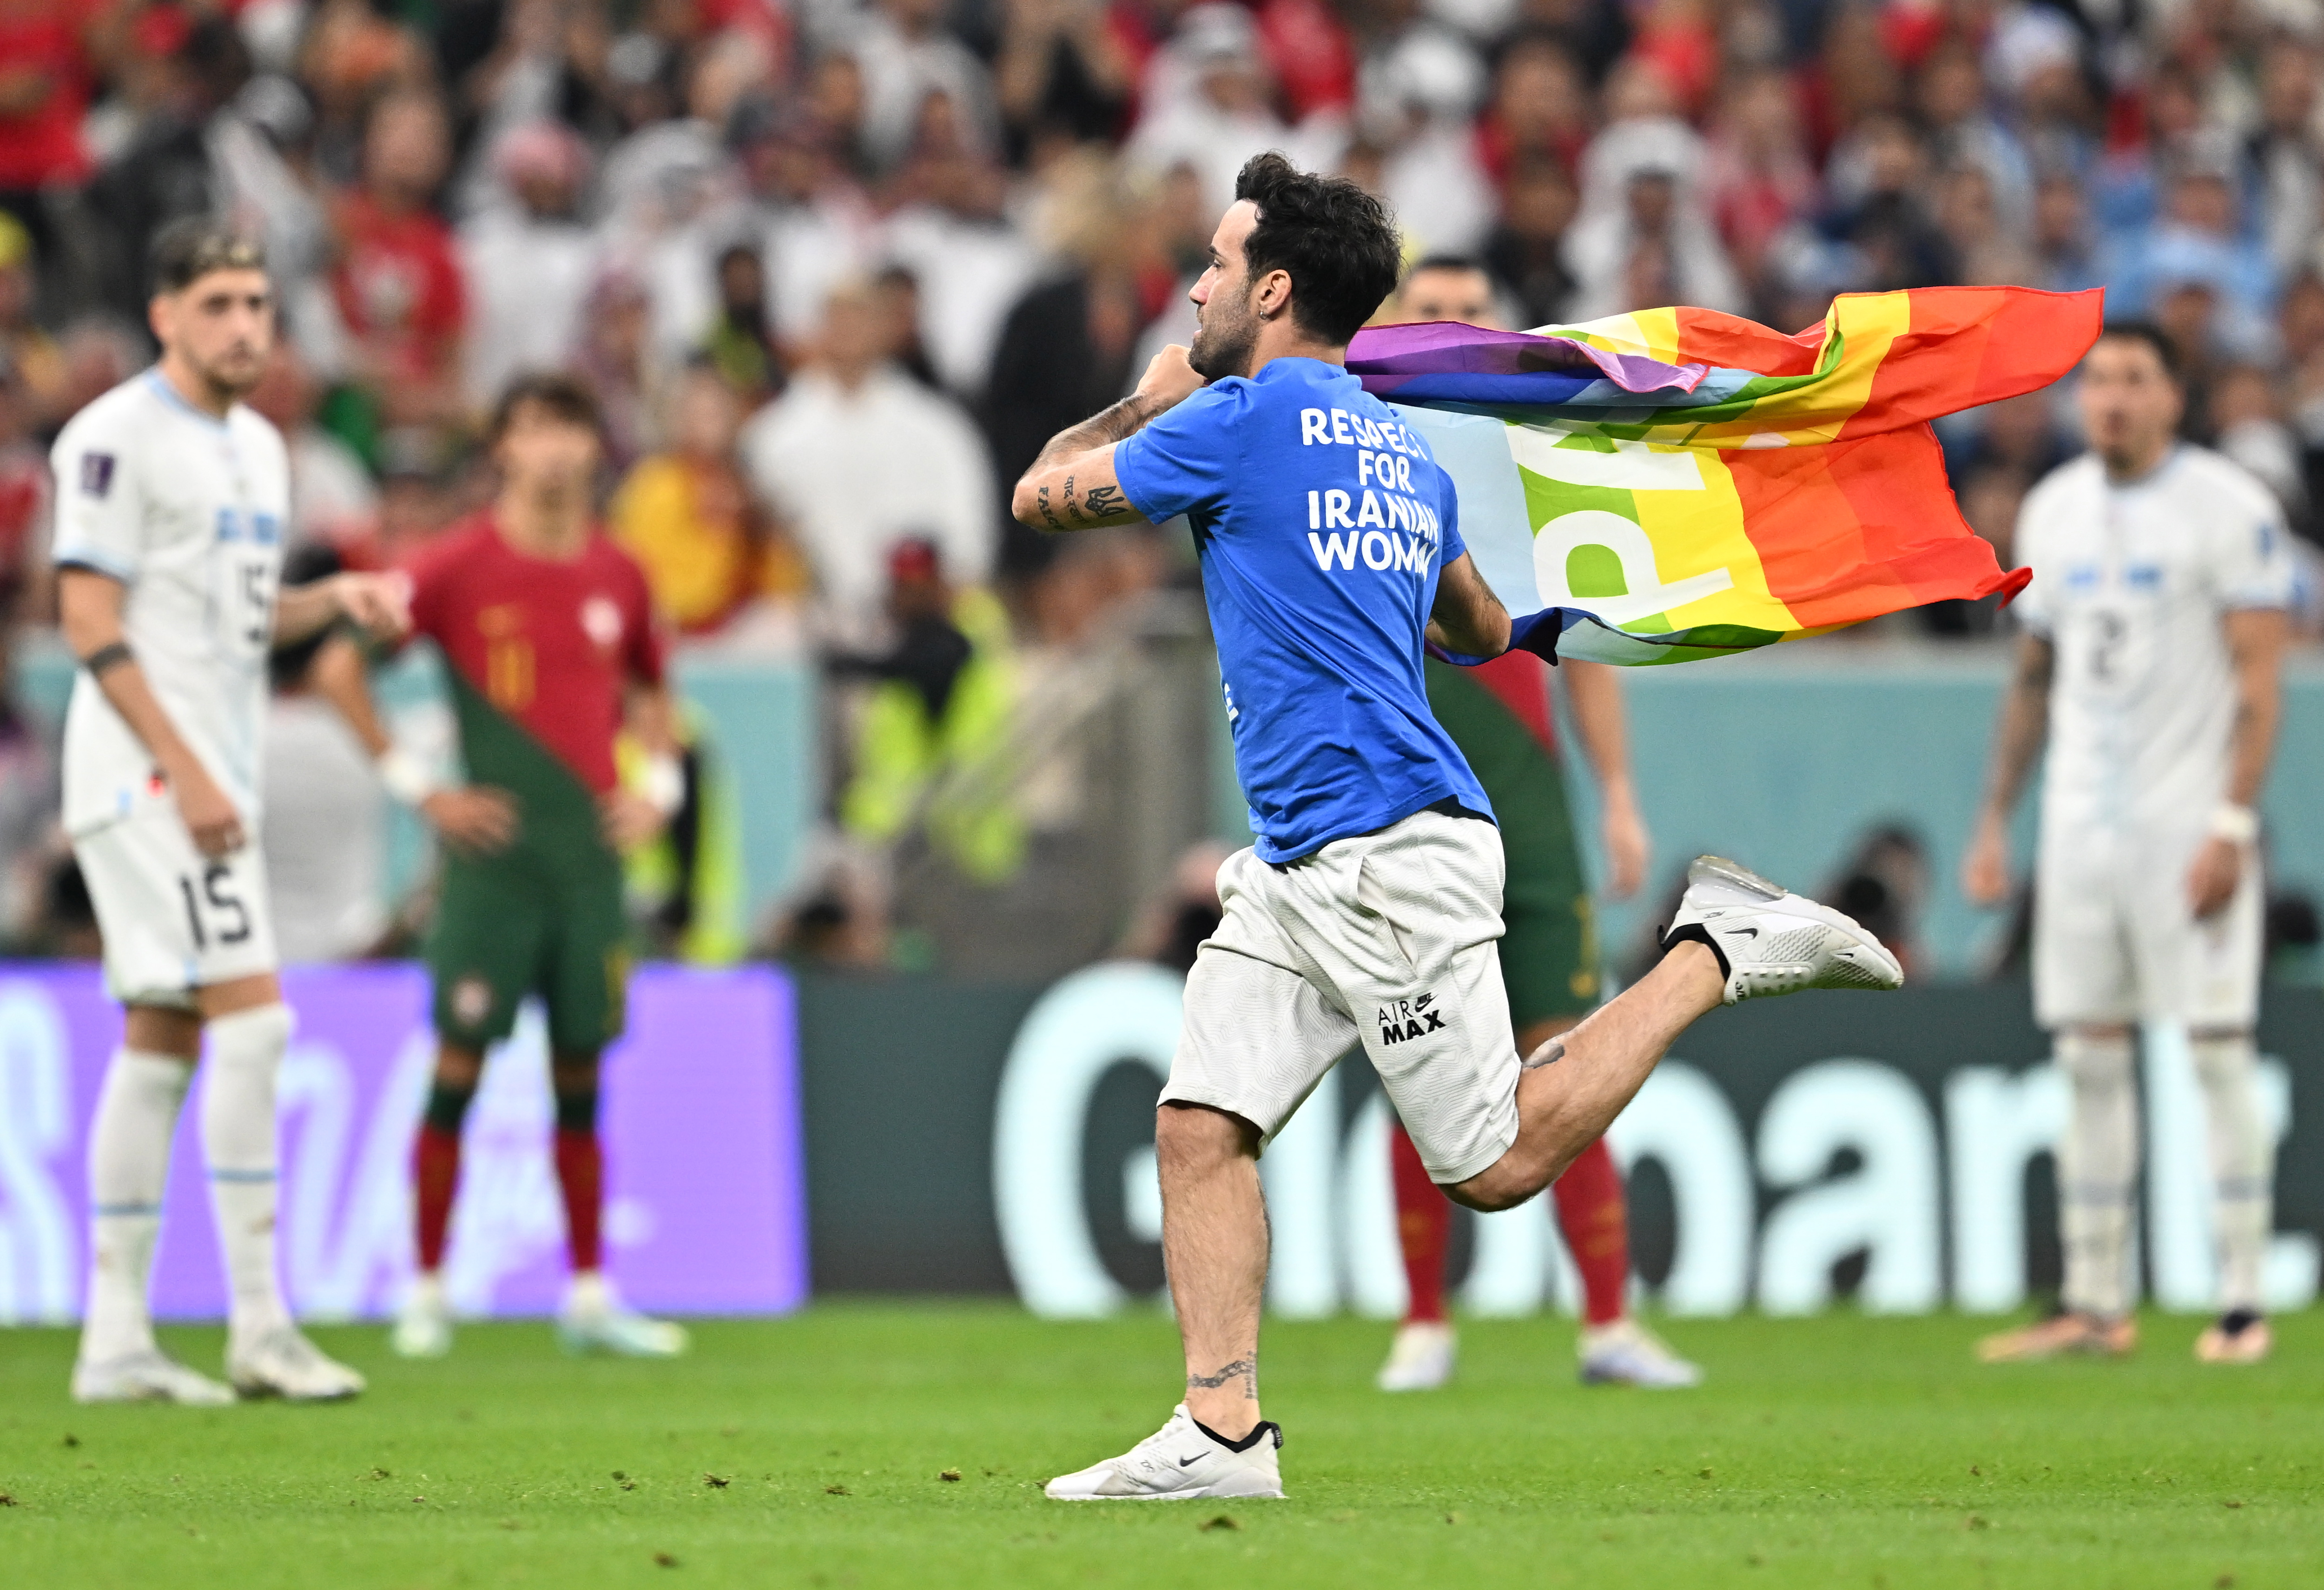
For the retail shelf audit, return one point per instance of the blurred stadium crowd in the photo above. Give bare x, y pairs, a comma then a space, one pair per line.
836, 269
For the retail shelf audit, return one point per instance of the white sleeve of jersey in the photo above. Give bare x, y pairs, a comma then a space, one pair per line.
2251, 558
2032, 608
100, 522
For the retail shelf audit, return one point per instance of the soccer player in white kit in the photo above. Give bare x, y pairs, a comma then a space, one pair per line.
171, 503
2155, 628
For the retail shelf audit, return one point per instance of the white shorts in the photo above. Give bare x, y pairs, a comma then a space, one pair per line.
173, 921
1387, 939
2116, 941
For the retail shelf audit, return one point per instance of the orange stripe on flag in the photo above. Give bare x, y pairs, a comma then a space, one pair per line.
1969, 345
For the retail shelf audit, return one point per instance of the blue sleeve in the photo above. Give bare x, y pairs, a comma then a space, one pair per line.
1181, 461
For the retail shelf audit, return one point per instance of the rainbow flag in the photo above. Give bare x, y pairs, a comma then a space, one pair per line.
1679, 483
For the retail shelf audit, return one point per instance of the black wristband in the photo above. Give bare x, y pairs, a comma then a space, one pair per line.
107, 657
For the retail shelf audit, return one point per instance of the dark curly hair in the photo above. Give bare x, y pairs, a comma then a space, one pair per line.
2146, 331
1334, 239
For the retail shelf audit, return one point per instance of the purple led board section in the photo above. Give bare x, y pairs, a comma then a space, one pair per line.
706, 1208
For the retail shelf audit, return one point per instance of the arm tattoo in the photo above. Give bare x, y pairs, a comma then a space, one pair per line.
1112, 424
1243, 1369
2024, 722
1102, 500
1548, 1054
1048, 514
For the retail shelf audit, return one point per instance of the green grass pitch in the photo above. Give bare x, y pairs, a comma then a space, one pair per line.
1840, 1451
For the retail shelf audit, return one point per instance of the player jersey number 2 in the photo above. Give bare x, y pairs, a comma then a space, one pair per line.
248, 569
2117, 647
2108, 630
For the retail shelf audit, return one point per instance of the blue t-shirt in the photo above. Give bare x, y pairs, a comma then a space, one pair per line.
1322, 524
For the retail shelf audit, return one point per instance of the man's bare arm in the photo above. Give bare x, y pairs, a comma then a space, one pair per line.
650, 712
475, 819
1072, 485
380, 603
2024, 726
630, 818
338, 677
1468, 619
1595, 689
2257, 637
89, 610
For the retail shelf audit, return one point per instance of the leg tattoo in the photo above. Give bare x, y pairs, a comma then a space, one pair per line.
1548, 1054
1244, 1369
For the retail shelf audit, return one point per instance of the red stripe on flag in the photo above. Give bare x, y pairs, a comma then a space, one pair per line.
1857, 529
1711, 337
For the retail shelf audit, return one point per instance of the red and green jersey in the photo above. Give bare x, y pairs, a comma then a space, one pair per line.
1518, 680
1499, 713
540, 652
550, 644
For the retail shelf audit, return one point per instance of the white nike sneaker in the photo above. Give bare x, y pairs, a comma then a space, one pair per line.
1421, 1360
423, 1326
594, 1319
147, 1375
1180, 1462
1774, 941
1627, 1353
282, 1362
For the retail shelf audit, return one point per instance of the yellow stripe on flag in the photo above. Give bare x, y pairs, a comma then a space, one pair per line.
1817, 410
1693, 532
1669, 519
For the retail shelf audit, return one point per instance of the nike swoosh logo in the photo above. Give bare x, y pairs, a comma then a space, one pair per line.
1183, 1462
1747, 932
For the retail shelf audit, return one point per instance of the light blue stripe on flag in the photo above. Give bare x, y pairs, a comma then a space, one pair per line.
1474, 450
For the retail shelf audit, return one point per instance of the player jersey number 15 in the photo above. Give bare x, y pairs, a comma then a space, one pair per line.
248, 566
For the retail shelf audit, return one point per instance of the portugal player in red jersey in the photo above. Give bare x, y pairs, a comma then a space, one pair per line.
550, 642
1499, 716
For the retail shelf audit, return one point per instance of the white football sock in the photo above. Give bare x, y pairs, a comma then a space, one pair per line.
2098, 1172
238, 1141
588, 1295
2242, 1165
128, 1167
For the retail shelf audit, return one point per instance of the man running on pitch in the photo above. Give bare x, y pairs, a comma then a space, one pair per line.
1499, 714
1369, 907
172, 498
